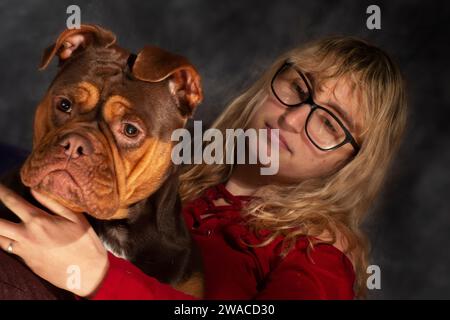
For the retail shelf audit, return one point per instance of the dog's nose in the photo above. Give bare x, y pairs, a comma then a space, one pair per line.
76, 145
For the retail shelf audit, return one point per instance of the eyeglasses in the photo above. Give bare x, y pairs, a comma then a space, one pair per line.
323, 128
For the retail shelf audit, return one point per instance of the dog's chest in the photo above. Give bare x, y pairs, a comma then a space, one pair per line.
120, 253
115, 240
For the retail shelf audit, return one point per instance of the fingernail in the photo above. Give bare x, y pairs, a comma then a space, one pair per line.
33, 191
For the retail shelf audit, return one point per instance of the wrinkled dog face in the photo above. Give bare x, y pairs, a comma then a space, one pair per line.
102, 132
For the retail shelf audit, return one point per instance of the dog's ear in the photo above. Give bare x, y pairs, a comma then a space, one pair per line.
71, 41
153, 64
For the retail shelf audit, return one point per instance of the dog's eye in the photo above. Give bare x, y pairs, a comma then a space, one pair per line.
130, 130
65, 105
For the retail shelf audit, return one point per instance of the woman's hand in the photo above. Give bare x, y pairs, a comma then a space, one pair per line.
61, 247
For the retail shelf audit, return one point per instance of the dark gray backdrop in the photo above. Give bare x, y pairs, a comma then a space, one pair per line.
231, 43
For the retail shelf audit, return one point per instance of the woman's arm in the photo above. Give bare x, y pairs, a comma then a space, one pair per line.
323, 273
125, 281
63, 245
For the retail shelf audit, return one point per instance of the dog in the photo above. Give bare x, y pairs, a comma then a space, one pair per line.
102, 147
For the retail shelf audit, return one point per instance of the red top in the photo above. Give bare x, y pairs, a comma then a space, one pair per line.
235, 271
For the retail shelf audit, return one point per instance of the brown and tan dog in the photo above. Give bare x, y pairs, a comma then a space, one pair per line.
102, 146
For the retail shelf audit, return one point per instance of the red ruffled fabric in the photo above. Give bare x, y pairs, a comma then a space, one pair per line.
234, 270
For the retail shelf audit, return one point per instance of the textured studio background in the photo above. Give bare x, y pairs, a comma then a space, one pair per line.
231, 43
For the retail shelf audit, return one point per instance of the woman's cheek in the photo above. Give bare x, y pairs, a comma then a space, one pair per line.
291, 168
306, 165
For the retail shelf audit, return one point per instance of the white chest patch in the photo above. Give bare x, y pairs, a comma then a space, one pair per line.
120, 254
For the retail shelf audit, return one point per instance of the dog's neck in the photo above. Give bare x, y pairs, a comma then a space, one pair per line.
148, 218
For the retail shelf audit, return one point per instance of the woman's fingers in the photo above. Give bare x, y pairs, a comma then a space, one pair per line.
8, 245
54, 206
24, 210
5, 242
16, 204
10, 229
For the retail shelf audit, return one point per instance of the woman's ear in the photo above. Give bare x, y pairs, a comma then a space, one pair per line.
71, 41
154, 64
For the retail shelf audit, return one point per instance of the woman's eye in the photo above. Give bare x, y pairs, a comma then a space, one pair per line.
130, 130
65, 105
302, 94
330, 125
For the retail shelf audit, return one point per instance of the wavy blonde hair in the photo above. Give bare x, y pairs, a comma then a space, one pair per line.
341, 200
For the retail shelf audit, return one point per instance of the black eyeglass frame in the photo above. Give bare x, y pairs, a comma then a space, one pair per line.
314, 106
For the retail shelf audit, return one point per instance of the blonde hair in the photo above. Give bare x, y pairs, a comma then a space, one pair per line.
341, 200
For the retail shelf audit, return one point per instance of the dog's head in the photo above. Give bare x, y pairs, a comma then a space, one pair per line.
102, 132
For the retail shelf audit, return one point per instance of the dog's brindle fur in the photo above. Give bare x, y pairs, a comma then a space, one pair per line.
150, 231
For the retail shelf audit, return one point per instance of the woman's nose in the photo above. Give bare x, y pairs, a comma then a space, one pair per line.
294, 119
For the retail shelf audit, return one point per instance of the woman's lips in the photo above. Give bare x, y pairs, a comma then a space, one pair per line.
282, 141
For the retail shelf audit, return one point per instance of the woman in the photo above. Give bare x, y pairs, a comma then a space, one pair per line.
340, 108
